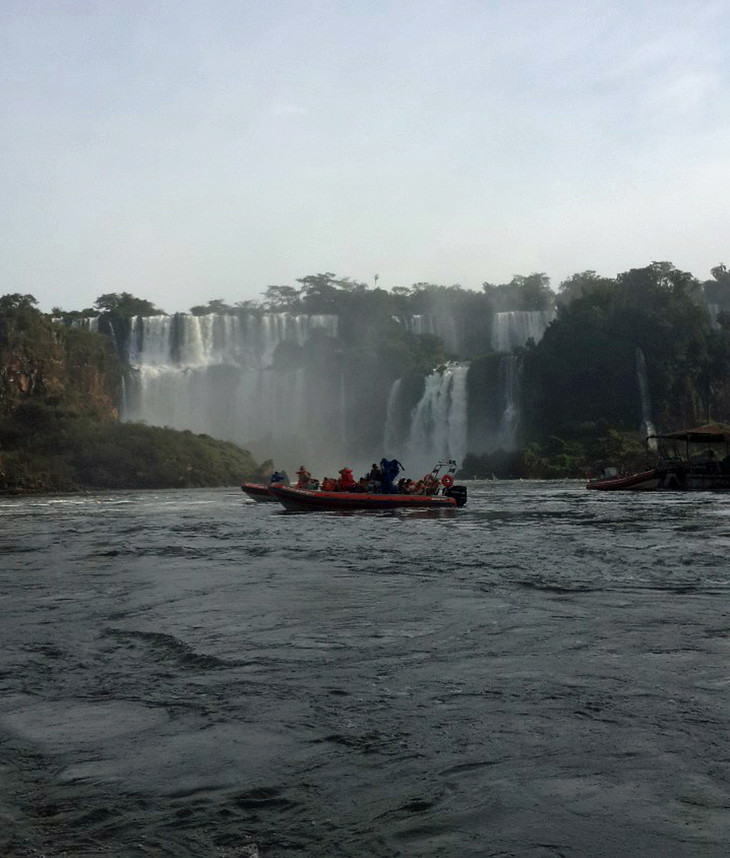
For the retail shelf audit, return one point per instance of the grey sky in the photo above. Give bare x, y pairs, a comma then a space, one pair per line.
186, 150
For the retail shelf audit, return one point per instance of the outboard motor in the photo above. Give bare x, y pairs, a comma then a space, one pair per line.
458, 493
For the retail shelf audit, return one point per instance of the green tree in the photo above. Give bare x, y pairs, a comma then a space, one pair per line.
584, 371
319, 292
278, 298
16, 301
523, 292
217, 305
326, 293
584, 283
21, 323
125, 305
534, 291
717, 290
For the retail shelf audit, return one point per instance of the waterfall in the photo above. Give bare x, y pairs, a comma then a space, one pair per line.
511, 330
647, 424
509, 392
420, 323
219, 339
215, 374
123, 403
343, 409
713, 311
444, 326
149, 344
391, 436
438, 423
88, 323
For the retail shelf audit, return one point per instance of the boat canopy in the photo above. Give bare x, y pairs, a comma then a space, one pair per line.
710, 433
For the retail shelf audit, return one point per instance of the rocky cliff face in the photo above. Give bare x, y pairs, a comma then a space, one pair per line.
47, 363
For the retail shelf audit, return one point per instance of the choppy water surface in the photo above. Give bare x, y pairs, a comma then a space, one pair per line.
544, 673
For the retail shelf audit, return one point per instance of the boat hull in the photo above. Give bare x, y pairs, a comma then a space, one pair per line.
665, 480
677, 469
646, 481
689, 481
258, 492
301, 500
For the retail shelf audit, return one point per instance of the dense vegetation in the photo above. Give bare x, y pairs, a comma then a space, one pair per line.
581, 380
59, 389
558, 458
46, 448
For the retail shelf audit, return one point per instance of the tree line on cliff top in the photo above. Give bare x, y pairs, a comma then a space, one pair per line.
328, 293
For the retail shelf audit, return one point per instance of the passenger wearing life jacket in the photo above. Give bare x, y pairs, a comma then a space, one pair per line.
329, 485
430, 484
305, 478
346, 481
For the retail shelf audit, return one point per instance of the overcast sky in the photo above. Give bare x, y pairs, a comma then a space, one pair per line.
185, 150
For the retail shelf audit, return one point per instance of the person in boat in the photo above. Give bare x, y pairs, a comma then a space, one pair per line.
428, 485
432, 484
389, 468
279, 477
374, 479
346, 481
305, 478
405, 486
329, 485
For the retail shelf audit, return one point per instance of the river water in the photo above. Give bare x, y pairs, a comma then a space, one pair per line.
543, 673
